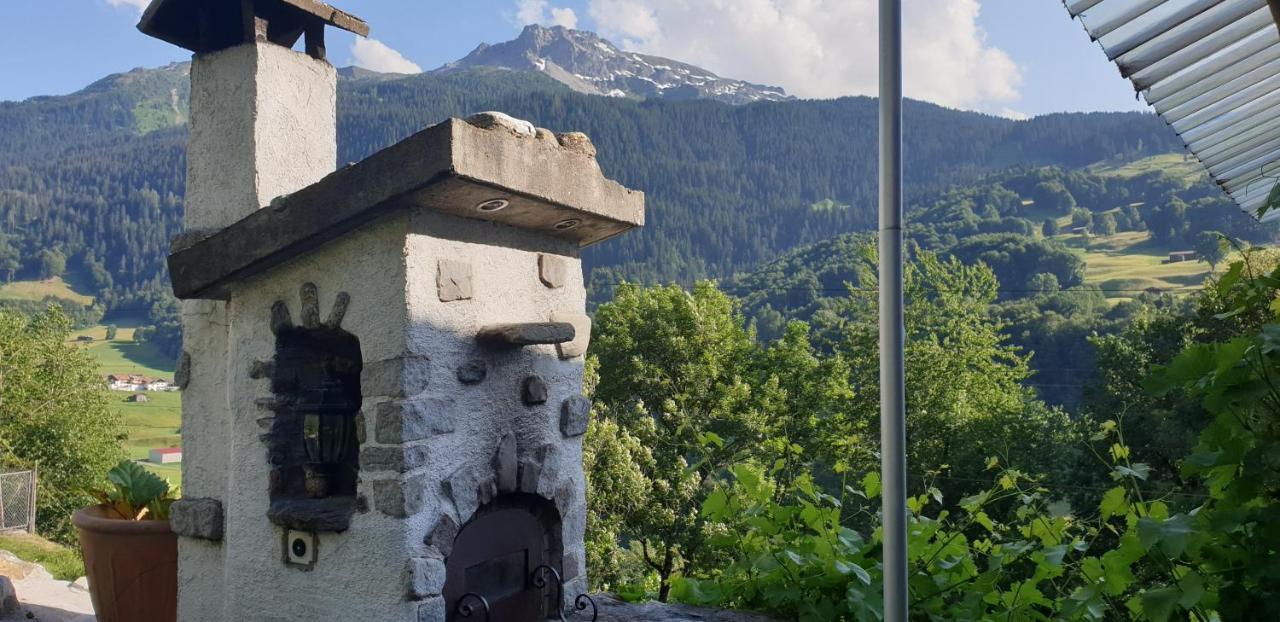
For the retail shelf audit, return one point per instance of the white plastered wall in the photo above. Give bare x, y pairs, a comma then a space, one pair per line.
263, 123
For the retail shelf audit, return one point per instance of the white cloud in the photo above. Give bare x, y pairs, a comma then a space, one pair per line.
541, 12
821, 48
375, 55
138, 5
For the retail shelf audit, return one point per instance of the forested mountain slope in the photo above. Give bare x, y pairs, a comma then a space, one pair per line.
91, 183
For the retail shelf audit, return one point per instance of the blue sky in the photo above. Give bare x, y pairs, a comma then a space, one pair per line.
1010, 57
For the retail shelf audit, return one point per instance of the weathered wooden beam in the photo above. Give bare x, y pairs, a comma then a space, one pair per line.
204, 26
315, 40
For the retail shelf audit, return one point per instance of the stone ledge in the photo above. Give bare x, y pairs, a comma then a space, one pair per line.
451, 168
328, 514
197, 518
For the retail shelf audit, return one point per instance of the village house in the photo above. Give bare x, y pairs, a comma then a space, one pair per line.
137, 382
165, 455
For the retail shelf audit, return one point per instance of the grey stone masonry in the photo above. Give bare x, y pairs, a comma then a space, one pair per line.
402, 376
473, 371
552, 270
575, 414
426, 577
399, 498
392, 458
577, 346
197, 518
534, 391
402, 421
526, 334
453, 279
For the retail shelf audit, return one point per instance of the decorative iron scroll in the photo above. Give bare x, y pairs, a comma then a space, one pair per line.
467, 606
580, 603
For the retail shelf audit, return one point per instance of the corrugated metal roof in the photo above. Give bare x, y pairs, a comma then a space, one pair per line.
1211, 69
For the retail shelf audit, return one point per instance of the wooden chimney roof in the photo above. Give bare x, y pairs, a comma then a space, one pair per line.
204, 26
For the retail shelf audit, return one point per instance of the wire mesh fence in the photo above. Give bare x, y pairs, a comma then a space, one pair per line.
18, 501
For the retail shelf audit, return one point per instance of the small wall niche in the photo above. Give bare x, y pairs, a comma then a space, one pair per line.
313, 446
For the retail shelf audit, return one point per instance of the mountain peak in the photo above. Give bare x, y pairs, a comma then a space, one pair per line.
589, 63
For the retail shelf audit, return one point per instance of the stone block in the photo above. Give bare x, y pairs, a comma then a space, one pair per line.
443, 534
310, 298
453, 280
339, 310
506, 467
281, 320
577, 142
528, 334
402, 421
572, 566
393, 458
197, 518
399, 498
426, 577
553, 270
8, 599
575, 414
473, 371
581, 323
463, 488
432, 610
182, 375
495, 120
402, 376
327, 514
566, 497
530, 471
534, 391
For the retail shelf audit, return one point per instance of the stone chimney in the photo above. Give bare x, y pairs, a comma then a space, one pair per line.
382, 375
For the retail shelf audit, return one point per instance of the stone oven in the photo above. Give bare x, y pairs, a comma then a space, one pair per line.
382, 375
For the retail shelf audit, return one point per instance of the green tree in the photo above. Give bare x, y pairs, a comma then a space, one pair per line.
1081, 217
673, 385
50, 263
111, 332
54, 414
1049, 228
1105, 224
965, 380
1211, 248
1053, 196
1043, 283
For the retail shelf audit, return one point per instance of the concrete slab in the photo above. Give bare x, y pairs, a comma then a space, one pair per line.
43, 598
454, 168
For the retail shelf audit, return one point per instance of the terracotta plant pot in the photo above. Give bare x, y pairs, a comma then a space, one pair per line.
132, 567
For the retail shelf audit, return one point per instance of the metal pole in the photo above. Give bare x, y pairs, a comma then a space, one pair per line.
893, 433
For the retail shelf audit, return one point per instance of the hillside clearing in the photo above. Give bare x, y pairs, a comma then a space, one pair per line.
1128, 263
55, 287
1175, 164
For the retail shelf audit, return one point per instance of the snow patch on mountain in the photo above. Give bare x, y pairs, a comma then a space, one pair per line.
587, 63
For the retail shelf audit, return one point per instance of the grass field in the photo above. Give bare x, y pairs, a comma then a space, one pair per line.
156, 423
149, 425
39, 290
1175, 164
123, 355
1129, 262
61, 562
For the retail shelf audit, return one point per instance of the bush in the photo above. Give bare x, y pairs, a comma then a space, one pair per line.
55, 415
